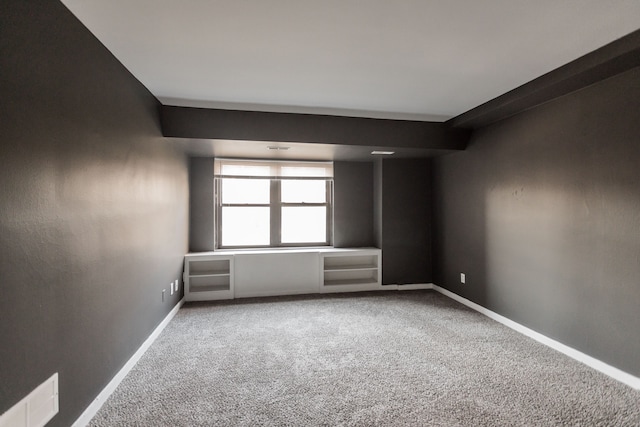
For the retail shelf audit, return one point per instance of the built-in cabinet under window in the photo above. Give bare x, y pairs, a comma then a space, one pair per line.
239, 274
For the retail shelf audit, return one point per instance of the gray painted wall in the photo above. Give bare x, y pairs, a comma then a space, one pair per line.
353, 204
403, 220
201, 204
377, 203
542, 212
93, 209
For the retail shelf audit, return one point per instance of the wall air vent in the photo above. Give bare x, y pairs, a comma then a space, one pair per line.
36, 409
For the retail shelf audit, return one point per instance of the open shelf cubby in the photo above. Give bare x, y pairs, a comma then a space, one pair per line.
208, 277
209, 283
351, 262
209, 267
351, 270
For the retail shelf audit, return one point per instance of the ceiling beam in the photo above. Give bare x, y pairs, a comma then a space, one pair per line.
219, 124
610, 60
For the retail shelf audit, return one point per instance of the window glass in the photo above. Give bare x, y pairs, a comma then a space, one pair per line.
245, 191
302, 224
245, 226
263, 203
303, 191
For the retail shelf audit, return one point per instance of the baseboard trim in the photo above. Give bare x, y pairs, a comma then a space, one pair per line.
615, 373
97, 403
408, 287
415, 286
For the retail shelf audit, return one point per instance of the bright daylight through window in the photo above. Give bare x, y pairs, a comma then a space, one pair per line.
273, 203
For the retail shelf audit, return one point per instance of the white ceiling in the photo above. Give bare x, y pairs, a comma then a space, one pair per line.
412, 59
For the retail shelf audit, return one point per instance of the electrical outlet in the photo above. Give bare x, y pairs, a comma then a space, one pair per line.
463, 278
176, 286
171, 286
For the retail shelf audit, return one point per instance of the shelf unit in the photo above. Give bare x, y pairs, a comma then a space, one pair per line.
208, 276
213, 275
350, 270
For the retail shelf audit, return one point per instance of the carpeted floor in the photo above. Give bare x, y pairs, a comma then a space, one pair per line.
412, 358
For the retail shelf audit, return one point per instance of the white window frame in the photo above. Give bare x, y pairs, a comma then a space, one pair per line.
275, 177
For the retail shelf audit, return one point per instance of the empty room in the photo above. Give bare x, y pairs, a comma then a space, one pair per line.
306, 213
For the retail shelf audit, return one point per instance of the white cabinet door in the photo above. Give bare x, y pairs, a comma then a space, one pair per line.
285, 273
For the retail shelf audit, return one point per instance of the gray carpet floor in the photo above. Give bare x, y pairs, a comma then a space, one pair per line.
412, 358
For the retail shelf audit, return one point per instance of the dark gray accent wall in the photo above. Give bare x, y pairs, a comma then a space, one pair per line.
93, 209
353, 204
201, 204
377, 203
542, 213
403, 220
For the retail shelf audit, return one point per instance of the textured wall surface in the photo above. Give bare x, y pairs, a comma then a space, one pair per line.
93, 209
542, 213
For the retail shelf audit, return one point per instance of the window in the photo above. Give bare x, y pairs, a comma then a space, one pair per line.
273, 203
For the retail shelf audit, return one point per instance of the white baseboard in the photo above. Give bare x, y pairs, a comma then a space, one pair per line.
97, 403
415, 286
615, 373
408, 287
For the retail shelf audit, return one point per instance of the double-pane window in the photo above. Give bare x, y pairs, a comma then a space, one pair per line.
265, 204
